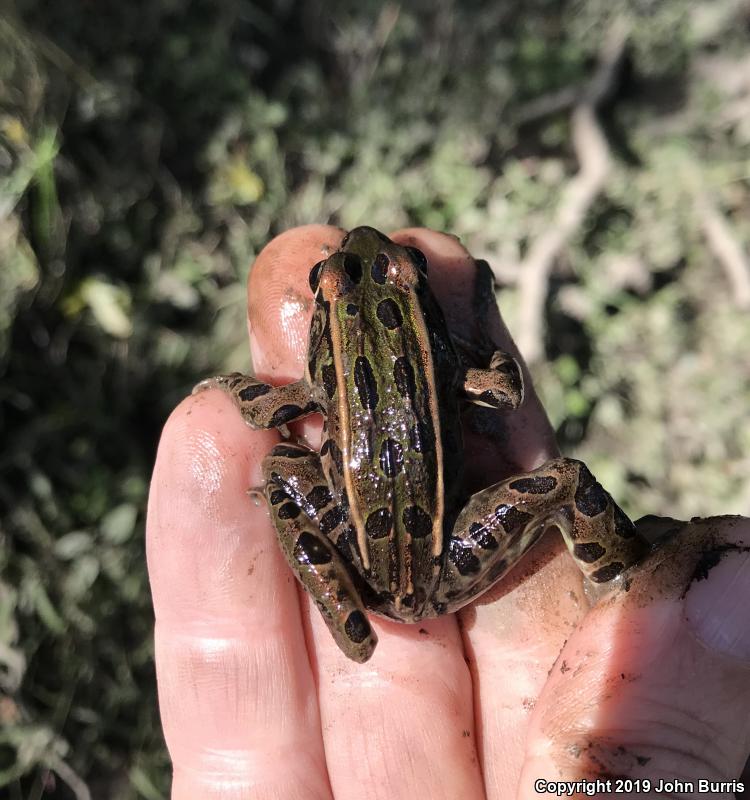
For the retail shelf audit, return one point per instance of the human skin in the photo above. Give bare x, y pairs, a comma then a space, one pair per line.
529, 682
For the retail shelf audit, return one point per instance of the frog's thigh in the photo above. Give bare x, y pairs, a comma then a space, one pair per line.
304, 513
499, 524
498, 386
261, 404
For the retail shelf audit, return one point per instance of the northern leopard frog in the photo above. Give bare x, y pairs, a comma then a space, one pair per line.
374, 520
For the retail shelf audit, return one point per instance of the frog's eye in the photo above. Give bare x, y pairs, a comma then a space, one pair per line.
315, 276
418, 257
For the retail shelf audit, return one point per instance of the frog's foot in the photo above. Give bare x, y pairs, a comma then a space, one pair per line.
261, 404
498, 386
499, 524
305, 515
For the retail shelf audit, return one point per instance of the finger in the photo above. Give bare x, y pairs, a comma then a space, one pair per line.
513, 633
403, 723
236, 693
655, 684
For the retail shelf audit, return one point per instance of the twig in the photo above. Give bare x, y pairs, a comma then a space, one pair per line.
723, 244
67, 774
553, 103
592, 152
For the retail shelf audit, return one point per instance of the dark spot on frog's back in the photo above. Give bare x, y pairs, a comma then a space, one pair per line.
539, 484
403, 374
417, 522
379, 269
352, 309
391, 458
419, 438
310, 550
328, 374
357, 627
364, 380
353, 267
389, 314
379, 523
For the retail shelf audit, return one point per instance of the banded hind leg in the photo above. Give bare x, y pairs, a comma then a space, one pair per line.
501, 523
309, 522
263, 405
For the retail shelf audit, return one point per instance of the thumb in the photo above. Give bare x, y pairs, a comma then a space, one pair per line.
655, 684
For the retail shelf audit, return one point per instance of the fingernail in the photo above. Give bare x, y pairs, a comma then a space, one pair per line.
718, 600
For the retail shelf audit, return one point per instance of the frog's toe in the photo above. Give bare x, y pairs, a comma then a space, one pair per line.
498, 386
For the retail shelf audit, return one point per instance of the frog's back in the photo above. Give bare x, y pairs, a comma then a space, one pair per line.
389, 367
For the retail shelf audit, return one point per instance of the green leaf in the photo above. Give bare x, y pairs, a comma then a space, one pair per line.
118, 525
73, 545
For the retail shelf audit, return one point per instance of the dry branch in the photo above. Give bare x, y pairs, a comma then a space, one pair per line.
723, 244
592, 152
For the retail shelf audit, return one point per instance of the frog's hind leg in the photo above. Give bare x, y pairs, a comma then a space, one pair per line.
307, 520
498, 386
261, 404
499, 524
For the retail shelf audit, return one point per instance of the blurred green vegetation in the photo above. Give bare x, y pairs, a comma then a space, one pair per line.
149, 150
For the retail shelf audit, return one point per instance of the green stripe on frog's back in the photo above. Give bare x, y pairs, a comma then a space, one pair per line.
388, 414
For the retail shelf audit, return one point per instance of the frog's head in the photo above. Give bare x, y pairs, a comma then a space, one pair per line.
367, 256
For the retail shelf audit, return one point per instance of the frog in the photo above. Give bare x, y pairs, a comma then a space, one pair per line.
376, 520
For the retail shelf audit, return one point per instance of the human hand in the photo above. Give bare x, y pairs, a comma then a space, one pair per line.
528, 683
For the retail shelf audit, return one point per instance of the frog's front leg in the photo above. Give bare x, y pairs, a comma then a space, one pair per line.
498, 386
261, 404
499, 524
308, 519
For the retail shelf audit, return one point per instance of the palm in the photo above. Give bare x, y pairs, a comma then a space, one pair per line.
256, 699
